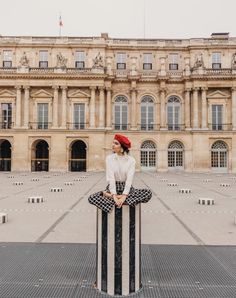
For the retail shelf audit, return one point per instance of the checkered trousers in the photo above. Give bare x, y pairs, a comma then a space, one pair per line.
135, 196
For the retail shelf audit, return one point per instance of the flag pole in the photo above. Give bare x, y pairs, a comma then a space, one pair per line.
60, 24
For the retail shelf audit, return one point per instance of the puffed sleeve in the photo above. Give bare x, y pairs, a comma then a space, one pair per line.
130, 176
110, 175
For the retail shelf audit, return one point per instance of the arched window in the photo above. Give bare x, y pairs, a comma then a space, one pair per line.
147, 113
148, 155
219, 152
175, 155
173, 113
121, 113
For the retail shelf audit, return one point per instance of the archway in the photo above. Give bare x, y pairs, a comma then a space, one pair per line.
5, 155
40, 156
77, 160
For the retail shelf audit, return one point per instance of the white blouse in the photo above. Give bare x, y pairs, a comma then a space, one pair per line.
120, 168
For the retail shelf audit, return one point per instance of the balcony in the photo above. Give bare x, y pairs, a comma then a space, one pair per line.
6, 125
216, 127
218, 71
40, 125
148, 127
118, 126
76, 125
176, 127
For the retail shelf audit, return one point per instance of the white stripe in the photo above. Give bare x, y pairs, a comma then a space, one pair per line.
125, 250
137, 245
99, 252
110, 252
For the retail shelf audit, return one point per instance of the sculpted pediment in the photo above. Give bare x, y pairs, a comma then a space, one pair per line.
7, 93
41, 93
218, 94
78, 94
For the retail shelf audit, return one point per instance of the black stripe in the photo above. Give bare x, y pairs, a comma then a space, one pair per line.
132, 249
139, 227
97, 251
118, 251
104, 251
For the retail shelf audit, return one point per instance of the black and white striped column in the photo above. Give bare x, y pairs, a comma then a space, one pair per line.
118, 250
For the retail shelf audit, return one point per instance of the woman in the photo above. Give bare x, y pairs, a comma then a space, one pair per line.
120, 169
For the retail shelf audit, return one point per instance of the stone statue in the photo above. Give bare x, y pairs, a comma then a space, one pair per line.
199, 61
24, 61
233, 63
61, 61
98, 61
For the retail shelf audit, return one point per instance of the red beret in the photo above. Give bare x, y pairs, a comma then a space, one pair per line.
123, 140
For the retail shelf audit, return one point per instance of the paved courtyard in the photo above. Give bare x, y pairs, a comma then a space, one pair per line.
48, 249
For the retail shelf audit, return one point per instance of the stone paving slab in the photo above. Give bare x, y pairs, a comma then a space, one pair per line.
36, 270
169, 218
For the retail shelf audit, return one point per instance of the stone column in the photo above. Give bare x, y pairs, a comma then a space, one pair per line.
204, 108
109, 109
133, 108
182, 122
18, 107
63, 107
163, 109
26, 107
157, 111
92, 108
195, 108
233, 108
187, 108
55, 108
101, 107
119, 250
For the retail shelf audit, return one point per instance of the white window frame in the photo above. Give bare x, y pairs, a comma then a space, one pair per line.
121, 59
147, 61
79, 59
43, 58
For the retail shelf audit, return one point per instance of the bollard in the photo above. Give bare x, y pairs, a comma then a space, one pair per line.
3, 218
118, 250
206, 201
37, 199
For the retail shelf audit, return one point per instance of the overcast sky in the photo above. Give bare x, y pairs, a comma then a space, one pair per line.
119, 18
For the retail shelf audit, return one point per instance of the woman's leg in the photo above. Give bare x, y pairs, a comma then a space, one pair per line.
100, 201
142, 195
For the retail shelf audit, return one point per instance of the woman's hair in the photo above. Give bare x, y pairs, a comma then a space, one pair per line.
125, 149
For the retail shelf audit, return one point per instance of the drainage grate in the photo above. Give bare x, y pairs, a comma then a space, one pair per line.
57, 270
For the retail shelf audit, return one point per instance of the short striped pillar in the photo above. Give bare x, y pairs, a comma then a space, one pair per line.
119, 250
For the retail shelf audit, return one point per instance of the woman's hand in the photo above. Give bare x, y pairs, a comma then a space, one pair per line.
121, 200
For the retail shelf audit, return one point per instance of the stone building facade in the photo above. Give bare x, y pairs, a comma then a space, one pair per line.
62, 99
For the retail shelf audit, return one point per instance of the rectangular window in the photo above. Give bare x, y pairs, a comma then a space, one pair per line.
147, 117
42, 116
217, 113
147, 61
43, 59
216, 60
6, 115
121, 116
79, 59
7, 59
79, 116
121, 61
173, 62
173, 113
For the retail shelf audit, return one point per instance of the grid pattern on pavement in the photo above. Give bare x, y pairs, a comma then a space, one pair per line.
39, 270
